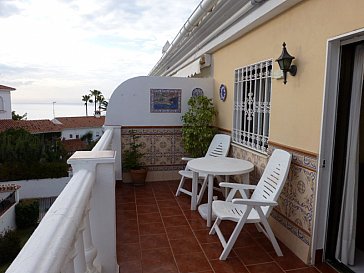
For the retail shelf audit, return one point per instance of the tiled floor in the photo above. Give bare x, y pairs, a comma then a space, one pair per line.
157, 232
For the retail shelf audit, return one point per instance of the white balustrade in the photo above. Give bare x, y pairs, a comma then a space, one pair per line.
78, 233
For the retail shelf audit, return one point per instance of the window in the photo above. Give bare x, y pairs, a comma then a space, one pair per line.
252, 94
77, 136
71, 136
2, 104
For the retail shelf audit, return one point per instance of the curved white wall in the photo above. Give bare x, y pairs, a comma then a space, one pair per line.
129, 104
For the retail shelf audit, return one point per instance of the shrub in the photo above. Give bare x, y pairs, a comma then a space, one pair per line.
26, 213
21, 171
198, 130
9, 246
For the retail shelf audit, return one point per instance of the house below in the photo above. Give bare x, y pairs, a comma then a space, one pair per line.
77, 127
5, 102
43, 126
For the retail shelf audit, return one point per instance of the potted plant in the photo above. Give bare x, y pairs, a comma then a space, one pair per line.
198, 130
132, 160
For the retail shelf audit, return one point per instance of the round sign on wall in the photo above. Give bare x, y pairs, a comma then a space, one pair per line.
223, 92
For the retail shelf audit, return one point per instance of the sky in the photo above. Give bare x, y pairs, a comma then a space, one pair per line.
58, 50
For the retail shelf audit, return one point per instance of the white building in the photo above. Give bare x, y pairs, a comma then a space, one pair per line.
76, 127
5, 102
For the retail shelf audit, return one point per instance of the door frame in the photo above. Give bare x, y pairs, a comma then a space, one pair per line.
328, 130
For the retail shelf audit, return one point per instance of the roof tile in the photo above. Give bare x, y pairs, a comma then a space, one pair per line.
81, 122
32, 126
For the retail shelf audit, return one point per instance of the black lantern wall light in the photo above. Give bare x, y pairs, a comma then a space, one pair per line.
284, 62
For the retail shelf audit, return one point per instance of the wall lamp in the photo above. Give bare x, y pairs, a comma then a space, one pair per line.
284, 62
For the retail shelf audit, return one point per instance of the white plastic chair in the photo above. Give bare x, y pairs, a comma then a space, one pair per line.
256, 209
219, 146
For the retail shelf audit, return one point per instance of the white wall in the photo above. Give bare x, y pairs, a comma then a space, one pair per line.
40, 188
7, 220
6, 113
82, 131
129, 104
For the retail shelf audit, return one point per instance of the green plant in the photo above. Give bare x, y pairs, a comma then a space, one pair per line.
26, 213
198, 130
9, 246
132, 156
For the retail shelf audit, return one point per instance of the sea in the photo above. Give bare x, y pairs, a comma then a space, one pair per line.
51, 110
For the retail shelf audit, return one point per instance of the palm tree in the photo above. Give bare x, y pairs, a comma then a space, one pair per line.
87, 99
96, 94
103, 106
102, 103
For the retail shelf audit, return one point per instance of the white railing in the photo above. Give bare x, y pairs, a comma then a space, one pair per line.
78, 233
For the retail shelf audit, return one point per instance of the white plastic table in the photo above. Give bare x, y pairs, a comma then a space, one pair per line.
212, 166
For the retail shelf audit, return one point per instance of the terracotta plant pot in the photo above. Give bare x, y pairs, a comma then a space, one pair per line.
138, 176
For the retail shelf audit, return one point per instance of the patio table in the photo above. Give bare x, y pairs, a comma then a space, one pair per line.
212, 166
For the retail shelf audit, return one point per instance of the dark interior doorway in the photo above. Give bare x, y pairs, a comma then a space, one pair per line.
339, 162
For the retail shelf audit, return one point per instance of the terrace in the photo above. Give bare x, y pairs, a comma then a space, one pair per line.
97, 225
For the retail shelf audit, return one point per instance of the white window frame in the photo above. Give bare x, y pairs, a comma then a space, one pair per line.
2, 106
252, 102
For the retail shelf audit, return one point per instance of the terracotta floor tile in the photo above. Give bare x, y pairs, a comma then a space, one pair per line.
147, 201
127, 215
150, 208
192, 262
230, 265
204, 237
198, 224
149, 229
214, 250
186, 245
131, 267
157, 232
148, 218
265, 268
171, 221
165, 196
158, 259
126, 207
126, 199
305, 270
171, 211
179, 232
127, 237
167, 203
325, 268
129, 252
153, 241
252, 255
288, 260
251, 228
244, 240
127, 224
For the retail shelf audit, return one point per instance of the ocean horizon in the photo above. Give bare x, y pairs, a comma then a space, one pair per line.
49, 111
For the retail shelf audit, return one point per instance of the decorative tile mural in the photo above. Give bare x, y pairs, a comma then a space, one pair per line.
165, 100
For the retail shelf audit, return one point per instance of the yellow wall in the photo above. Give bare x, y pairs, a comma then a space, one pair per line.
296, 106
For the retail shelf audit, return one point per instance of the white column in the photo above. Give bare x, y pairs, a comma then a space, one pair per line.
116, 146
102, 204
90, 250
80, 259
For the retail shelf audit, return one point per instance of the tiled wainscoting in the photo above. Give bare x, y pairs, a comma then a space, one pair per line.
292, 218
162, 148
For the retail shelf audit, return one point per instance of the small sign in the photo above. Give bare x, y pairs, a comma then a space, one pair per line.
223, 92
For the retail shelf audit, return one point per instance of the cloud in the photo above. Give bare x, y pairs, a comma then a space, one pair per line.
62, 48
8, 8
